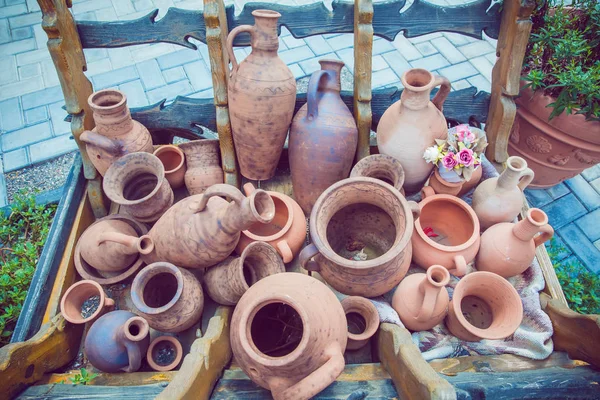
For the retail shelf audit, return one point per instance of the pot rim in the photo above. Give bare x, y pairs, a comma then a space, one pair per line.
95, 95
95, 314
288, 224
250, 248
359, 168
413, 88
178, 349
137, 287
199, 142
444, 182
171, 148
264, 13
351, 304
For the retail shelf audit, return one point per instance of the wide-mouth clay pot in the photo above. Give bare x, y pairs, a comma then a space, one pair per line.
164, 354
446, 233
484, 306
82, 297
363, 321
360, 229
442, 186
383, 167
173, 161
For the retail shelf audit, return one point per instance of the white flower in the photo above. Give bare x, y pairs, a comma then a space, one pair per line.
431, 154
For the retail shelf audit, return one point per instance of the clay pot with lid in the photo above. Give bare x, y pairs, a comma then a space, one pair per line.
381, 166
262, 96
446, 233
173, 161
77, 294
202, 158
305, 317
116, 133
362, 320
360, 230
164, 354
442, 186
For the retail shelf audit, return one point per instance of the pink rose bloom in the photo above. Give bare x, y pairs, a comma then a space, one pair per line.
449, 161
465, 156
463, 133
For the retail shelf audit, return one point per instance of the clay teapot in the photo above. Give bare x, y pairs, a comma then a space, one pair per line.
115, 134
164, 354
323, 137
383, 167
360, 230
508, 249
412, 124
202, 230
202, 158
262, 96
309, 316
421, 300
173, 161
442, 186
78, 302
362, 320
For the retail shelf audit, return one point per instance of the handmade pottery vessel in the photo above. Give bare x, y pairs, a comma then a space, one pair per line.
168, 297
508, 249
227, 281
202, 230
412, 124
117, 342
421, 300
360, 230
137, 183
312, 320
262, 96
164, 354
446, 233
382, 167
74, 298
323, 137
442, 186
362, 320
173, 161
115, 134
471, 183
501, 199
286, 232
484, 306
202, 158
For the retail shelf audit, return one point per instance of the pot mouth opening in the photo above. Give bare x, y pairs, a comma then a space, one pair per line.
171, 157
537, 217
516, 164
107, 99
136, 329
418, 80
136, 185
438, 276
77, 295
165, 352
279, 226
262, 206
266, 13
157, 288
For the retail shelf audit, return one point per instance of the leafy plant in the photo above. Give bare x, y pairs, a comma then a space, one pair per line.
82, 378
22, 236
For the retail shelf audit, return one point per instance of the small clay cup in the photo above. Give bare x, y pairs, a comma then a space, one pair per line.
363, 321
76, 295
382, 167
442, 186
173, 161
159, 344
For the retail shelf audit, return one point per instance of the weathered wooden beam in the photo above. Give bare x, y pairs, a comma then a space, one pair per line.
363, 56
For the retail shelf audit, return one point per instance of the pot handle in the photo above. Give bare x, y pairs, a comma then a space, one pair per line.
525, 178
312, 93
236, 31
461, 266
305, 258
427, 191
134, 354
285, 251
220, 189
440, 96
248, 188
546, 233
108, 302
415, 209
95, 139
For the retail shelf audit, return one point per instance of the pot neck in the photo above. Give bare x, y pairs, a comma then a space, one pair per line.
417, 84
264, 36
334, 82
526, 229
509, 178
111, 120
237, 218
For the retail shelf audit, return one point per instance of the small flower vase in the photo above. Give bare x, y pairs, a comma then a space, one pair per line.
449, 175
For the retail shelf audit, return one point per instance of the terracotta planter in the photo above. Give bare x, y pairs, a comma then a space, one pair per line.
161, 351
115, 134
323, 137
508, 249
421, 300
137, 183
203, 160
471, 183
202, 230
173, 161
555, 150
117, 342
484, 306
286, 232
412, 124
501, 199
446, 233
262, 96
168, 297
312, 357
227, 281
362, 319
442, 186
382, 167
74, 298
360, 230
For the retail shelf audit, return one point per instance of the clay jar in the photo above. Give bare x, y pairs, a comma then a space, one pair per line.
202, 230
173, 161
362, 320
227, 281
202, 158
471, 183
446, 233
286, 232
421, 300
262, 96
323, 137
137, 183
484, 306
412, 124
303, 314
360, 230
117, 342
501, 199
115, 134
169, 298
508, 249
380, 166
72, 301
442, 186
164, 354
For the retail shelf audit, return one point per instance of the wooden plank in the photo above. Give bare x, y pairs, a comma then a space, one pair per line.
352, 372
363, 56
119, 379
72, 392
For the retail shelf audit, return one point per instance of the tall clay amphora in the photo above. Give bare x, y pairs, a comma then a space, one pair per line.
115, 134
262, 95
412, 124
323, 137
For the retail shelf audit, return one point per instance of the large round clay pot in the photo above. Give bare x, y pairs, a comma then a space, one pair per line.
115, 134
168, 297
412, 124
76, 295
556, 149
262, 96
446, 233
362, 319
202, 158
164, 354
173, 161
360, 230
383, 167
442, 186
323, 137
508, 249
313, 356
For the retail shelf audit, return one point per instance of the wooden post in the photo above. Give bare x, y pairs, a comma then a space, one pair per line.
363, 53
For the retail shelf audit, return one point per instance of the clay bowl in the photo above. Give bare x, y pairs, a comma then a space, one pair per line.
76, 295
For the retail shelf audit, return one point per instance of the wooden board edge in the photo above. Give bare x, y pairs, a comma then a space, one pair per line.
118, 379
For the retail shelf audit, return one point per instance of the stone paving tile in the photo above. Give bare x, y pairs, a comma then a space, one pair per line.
25, 20
42, 97
32, 57
397, 62
584, 192
297, 71
341, 41
8, 66
123, 7
136, 95
591, 173
381, 46
481, 83
20, 46
120, 57
27, 71
24, 86
561, 250
311, 65
458, 71
177, 58
26, 136
425, 38
558, 191
294, 55
200, 76
16, 159
426, 48
564, 211
57, 117
11, 117
318, 45
52, 148
448, 50
150, 74
36, 115
22, 33
590, 225
482, 65
11, 11
169, 92
476, 49
174, 74
291, 42
406, 48
115, 77
383, 78
347, 56
455, 38
378, 63
581, 246
49, 74
5, 36
596, 184
538, 197
431, 63
459, 85
90, 5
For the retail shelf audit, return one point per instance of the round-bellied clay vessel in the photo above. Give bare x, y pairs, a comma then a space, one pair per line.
203, 160
262, 96
442, 186
313, 322
508, 249
362, 319
173, 161
383, 167
115, 134
323, 137
164, 354
360, 230
473, 182
76, 295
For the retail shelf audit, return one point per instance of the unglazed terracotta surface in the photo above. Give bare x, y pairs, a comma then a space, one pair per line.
362, 319
168, 342
173, 161
471, 183
383, 167
312, 358
76, 295
442, 186
203, 160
